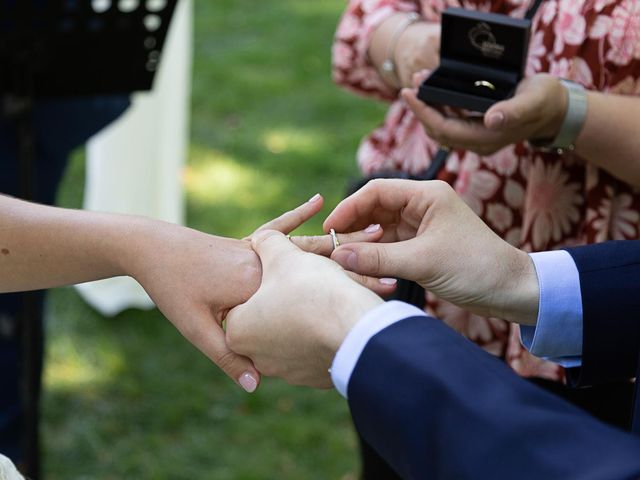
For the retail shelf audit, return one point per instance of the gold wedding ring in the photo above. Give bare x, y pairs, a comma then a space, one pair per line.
484, 83
334, 238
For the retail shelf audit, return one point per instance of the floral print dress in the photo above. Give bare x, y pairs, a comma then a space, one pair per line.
535, 201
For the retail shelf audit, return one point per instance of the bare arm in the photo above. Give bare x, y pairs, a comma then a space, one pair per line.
610, 137
43, 247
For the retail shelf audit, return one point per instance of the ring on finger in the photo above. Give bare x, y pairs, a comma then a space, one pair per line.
334, 238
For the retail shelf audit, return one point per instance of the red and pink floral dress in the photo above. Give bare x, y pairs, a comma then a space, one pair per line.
533, 200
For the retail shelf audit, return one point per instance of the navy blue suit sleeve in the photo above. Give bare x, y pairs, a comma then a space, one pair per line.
434, 405
610, 287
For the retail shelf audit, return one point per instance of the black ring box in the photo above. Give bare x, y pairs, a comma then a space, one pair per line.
477, 49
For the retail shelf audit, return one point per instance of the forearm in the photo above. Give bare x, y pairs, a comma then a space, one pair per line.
43, 247
609, 137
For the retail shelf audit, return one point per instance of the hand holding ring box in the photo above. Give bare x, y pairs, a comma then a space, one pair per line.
482, 60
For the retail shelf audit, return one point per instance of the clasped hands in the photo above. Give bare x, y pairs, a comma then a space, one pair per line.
196, 278
306, 304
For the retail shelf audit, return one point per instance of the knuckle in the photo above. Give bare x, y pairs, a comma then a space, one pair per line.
317, 244
190, 330
264, 236
310, 244
441, 187
297, 215
225, 360
375, 184
377, 260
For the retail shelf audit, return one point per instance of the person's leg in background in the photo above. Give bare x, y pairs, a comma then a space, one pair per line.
59, 127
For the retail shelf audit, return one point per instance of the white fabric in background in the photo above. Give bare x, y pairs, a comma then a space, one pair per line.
135, 165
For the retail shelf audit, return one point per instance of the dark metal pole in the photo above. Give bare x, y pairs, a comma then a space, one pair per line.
19, 108
32, 328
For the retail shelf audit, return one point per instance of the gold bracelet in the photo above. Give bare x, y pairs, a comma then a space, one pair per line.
388, 68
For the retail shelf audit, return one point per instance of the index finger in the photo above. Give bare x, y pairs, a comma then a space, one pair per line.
379, 202
289, 221
451, 131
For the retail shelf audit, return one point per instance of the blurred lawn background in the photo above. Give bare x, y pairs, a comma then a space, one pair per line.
127, 397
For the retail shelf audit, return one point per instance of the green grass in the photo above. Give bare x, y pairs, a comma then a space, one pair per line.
127, 397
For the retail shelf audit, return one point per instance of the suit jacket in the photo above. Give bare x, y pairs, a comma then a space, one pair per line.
610, 287
434, 405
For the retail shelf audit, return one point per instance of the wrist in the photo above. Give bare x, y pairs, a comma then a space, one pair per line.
350, 308
384, 45
417, 49
109, 239
517, 294
133, 241
557, 109
564, 127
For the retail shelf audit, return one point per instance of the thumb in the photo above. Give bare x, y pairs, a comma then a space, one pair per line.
512, 112
381, 259
271, 246
209, 338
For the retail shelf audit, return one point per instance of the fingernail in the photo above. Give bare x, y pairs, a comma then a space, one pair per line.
247, 382
372, 228
388, 281
315, 198
495, 120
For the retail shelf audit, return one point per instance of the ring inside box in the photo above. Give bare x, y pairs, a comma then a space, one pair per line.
482, 59
484, 84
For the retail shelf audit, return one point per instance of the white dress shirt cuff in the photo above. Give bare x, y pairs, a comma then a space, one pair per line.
557, 335
370, 324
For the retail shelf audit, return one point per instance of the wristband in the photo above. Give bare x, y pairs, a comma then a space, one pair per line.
388, 68
571, 125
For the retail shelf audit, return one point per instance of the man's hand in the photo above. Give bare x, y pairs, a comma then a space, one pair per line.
434, 239
305, 306
535, 112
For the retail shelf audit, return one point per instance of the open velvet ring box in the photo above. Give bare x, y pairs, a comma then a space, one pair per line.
482, 59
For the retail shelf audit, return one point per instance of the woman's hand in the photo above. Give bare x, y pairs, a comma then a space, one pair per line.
535, 112
194, 279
